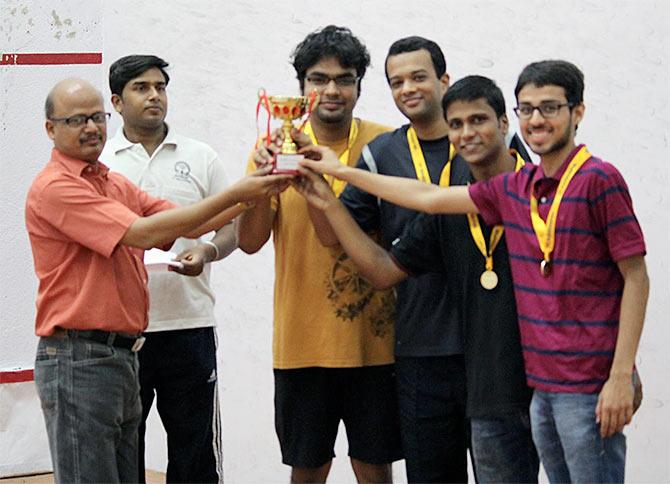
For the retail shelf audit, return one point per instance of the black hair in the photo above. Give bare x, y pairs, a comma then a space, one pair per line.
470, 89
414, 43
49, 106
554, 72
331, 41
131, 66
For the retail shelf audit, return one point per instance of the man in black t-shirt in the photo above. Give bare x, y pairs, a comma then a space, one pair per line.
476, 287
430, 372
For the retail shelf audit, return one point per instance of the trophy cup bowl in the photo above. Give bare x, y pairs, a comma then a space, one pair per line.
289, 108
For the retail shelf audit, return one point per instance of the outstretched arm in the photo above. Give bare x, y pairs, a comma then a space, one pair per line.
196, 219
373, 262
615, 402
423, 197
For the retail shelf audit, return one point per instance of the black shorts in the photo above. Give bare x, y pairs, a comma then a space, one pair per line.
310, 402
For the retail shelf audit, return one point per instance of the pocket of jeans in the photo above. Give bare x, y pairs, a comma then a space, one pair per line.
89, 352
46, 380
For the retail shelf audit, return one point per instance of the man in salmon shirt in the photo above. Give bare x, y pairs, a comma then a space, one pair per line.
88, 229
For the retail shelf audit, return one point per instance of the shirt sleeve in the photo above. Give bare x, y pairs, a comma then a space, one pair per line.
485, 194
363, 207
86, 217
218, 181
417, 250
613, 211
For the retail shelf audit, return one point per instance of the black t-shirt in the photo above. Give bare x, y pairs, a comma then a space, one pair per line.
427, 320
496, 381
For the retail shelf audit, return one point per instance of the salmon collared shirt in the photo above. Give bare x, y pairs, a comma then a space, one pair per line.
76, 215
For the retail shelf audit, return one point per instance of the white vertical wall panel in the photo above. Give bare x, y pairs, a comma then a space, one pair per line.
74, 26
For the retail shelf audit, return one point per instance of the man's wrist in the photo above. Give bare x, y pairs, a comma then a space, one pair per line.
621, 374
344, 172
333, 206
212, 250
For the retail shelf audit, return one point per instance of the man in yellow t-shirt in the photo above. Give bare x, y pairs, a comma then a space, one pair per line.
333, 333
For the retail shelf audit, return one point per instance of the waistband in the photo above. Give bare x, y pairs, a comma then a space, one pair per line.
119, 340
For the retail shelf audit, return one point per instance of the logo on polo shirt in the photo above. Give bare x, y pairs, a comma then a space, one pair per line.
182, 171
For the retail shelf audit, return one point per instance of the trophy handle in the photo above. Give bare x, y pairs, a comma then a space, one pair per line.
312, 100
263, 101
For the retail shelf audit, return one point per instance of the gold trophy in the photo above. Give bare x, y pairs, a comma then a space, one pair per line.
287, 108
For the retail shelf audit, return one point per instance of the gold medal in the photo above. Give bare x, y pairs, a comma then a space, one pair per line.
545, 231
488, 280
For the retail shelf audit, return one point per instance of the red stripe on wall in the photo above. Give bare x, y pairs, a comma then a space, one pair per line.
52, 58
17, 376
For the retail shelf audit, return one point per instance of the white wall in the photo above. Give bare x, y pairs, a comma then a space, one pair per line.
29, 27
73, 26
222, 52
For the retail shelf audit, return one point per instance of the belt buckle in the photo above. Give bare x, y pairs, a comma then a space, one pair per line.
137, 346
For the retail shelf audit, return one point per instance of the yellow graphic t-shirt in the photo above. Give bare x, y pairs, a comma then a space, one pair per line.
325, 313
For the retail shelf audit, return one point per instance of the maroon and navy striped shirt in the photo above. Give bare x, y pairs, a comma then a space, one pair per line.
569, 320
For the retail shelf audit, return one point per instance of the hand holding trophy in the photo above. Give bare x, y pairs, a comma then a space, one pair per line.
286, 108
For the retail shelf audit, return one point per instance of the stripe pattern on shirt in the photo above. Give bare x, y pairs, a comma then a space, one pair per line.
568, 321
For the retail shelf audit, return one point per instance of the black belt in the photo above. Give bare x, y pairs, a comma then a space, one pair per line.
118, 340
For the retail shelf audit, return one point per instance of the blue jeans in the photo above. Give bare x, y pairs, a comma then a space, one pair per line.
503, 448
90, 400
568, 439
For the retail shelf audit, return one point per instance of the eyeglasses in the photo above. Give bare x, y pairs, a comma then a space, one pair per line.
547, 109
81, 119
320, 80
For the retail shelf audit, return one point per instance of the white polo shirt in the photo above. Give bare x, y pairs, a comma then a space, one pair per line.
183, 171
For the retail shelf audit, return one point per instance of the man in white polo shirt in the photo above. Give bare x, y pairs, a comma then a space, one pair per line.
178, 361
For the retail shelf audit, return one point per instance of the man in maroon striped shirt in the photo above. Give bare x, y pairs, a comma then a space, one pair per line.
580, 279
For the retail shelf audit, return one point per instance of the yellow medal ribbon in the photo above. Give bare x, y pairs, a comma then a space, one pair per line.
496, 232
489, 279
419, 161
337, 185
546, 231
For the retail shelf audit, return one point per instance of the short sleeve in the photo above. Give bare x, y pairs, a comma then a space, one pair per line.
485, 194
417, 250
86, 217
363, 207
612, 209
218, 181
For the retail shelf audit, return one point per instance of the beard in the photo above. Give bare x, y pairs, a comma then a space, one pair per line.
336, 117
559, 144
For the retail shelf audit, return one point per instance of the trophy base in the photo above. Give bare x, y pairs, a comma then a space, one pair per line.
287, 164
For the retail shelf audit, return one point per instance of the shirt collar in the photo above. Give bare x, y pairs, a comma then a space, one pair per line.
76, 166
119, 142
539, 172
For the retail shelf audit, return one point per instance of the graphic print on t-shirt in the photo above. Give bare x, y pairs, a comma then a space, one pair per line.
350, 295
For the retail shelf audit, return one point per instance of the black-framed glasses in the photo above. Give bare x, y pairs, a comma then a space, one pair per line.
320, 80
546, 109
81, 119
